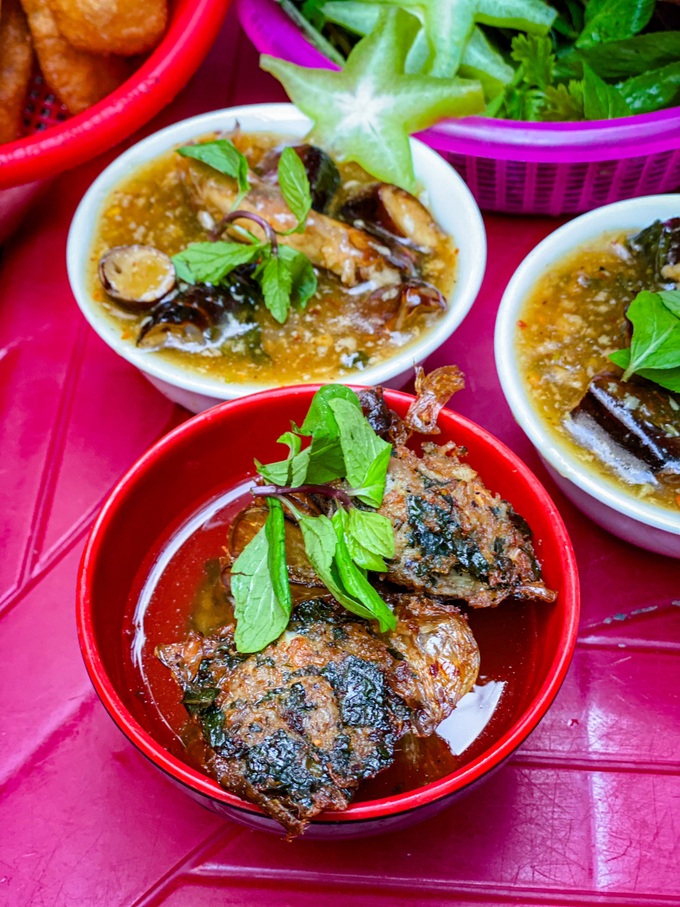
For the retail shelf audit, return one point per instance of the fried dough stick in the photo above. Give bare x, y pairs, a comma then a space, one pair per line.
125, 27
16, 60
78, 79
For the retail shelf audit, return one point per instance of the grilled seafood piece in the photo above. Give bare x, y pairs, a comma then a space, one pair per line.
297, 727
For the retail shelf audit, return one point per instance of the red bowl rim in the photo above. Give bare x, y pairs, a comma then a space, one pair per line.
191, 32
373, 809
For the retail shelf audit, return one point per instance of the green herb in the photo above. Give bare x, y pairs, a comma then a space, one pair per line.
211, 262
600, 100
303, 280
344, 450
653, 90
223, 156
655, 345
366, 112
261, 616
634, 56
294, 186
611, 20
276, 281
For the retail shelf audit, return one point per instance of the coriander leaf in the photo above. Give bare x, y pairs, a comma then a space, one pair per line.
275, 530
321, 544
611, 20
354, 580
535, 53
671, 299
320, 420
634, 56
665, 377
600, 100
360, 447
370, 538
223, 156
303, 278
563, 102
366, 112
260, 617
210, 262
276, 282
372, 489
653, 90
656, 335
294, 186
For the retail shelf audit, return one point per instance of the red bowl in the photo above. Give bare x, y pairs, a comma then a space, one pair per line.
212, 453
192, 28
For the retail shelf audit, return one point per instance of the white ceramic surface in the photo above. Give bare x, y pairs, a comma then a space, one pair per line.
610, 505
445, 194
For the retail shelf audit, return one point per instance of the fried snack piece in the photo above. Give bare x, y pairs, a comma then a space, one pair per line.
124, 27
78, 79
16, 60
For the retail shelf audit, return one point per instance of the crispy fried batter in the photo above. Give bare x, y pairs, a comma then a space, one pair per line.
454, 538
124, 27
77, 78
16, 59
297, 727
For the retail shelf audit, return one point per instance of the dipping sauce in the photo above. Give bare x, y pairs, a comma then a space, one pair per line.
570, 324
344, 328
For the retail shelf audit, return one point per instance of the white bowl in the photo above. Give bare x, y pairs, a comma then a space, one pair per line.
608, 504
445, 194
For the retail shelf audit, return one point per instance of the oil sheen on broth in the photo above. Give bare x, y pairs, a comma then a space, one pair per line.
340, 332
572, 321
186, 594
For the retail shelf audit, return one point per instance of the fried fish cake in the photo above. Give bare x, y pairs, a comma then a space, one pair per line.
123, 27
77, 78
16, 60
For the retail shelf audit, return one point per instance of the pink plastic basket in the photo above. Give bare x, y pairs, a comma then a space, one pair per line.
521, 168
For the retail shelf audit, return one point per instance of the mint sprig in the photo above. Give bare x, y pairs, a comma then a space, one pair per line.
346, 462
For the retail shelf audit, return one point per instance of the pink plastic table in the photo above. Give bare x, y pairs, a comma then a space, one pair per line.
587, 812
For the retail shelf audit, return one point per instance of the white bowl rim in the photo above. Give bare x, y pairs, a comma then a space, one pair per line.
273, 115
634, 213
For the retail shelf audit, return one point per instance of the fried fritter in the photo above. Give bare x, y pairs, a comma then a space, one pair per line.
79, 79
16, 60
297, 727
123, 27
454, 538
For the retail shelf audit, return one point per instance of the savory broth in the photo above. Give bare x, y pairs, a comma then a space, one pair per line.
342, 330
180, 591
569, 325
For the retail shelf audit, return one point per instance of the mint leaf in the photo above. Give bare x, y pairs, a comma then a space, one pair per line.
361, 446
260, 616
602, 101
370, 538
303, 278
320, 420
671, 299
355, 581
276, 282
612, 20
223, 156
210, 262
275, 530
633, 56
294, 186
326, 463
653, 90
290, 471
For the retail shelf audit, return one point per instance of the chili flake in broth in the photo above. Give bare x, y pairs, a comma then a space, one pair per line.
340, 332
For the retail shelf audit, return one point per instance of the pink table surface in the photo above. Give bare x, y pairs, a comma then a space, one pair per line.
586, 812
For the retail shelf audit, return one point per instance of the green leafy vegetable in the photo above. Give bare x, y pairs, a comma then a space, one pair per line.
611, 20
320, 421
370, 539
223, 156
275, 530
276, 283
294, 186
362, 449
210, 262
260, 616
366, 112
634, 56
655, 344
303, 280
600, 100
653, 90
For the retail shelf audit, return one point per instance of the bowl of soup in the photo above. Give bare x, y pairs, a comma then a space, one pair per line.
392, 275
611, 439
317, 726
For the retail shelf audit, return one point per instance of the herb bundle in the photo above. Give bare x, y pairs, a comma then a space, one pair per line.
285, 276
345, 461
654, 352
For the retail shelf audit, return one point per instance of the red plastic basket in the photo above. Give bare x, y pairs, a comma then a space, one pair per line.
54, 142
521, 168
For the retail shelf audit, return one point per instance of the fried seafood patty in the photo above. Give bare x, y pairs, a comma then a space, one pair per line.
297, 727
454, 538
